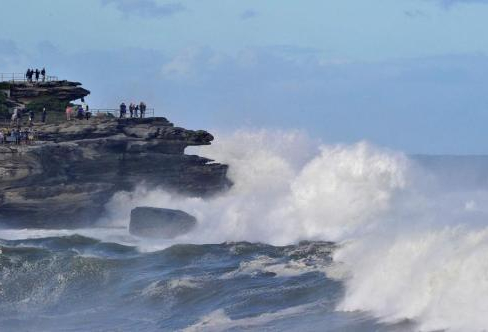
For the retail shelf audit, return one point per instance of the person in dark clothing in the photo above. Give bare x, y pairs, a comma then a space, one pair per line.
27, 74
44, 115
123, 110
19, 117
17, 136
37, 72
80, 113
31, 118
142, 109
43, 73
131, 110
136, 111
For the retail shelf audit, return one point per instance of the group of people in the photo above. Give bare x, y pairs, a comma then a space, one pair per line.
135, 111
79, 112
17, 136
17, 115
32, 74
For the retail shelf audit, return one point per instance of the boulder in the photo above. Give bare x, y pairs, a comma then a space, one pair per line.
160, 223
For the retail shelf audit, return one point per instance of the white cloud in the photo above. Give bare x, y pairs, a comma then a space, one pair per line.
146, 8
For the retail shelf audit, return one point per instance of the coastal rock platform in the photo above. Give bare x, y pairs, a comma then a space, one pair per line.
68, 175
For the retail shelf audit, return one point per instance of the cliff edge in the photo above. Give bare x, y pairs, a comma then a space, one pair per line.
23, 94
66, 178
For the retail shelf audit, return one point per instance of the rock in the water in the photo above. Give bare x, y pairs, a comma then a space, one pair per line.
160, 223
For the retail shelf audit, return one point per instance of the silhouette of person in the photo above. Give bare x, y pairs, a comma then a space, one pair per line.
44, 115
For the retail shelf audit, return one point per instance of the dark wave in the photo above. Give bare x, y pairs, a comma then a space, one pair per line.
75, 283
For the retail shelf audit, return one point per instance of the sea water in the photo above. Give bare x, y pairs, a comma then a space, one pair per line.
311, 237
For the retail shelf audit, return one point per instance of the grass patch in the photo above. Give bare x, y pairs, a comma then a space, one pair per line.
4, 86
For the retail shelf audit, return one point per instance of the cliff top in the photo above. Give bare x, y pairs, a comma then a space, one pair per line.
54, 95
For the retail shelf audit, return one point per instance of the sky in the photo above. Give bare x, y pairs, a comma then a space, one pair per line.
409, 75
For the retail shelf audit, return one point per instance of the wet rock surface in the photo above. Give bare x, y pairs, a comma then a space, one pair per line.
65, 179
160, 223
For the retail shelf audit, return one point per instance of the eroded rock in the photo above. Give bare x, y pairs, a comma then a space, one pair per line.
160, 223
65, 180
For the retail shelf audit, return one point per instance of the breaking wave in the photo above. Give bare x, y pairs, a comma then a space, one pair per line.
412, 230
395, 243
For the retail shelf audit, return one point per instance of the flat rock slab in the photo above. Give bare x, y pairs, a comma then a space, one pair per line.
160, 223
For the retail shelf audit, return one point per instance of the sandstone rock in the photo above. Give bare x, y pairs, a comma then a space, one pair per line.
61, 90
160, 223
65, 180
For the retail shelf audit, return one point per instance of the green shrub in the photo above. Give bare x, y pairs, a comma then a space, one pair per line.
51, 105
4, 113
4, 86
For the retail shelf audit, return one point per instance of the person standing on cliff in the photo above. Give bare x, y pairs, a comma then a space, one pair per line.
19, 117
123, 110
142, 109
136, 111
31, 118
68, 113
27, 75
44, 115
14, 117
84, 105
37, 72
131, 110
43, 73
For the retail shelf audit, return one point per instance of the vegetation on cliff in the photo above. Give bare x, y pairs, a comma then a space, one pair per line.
55, 107
4, 110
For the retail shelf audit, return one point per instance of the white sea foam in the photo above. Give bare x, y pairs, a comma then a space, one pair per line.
265, 264
219, 321
163, 288
280, 200
411, 249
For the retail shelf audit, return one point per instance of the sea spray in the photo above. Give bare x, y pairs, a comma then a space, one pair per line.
413, 247
283, 195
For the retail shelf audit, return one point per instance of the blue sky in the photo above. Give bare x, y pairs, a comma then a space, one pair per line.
406, 74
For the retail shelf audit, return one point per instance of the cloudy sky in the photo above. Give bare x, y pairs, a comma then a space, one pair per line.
411, 75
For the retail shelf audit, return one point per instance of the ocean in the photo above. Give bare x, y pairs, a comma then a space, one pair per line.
311, 237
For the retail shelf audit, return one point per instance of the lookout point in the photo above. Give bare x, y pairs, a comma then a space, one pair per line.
59, 172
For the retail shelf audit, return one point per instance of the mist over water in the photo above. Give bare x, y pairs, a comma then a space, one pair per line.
410, 233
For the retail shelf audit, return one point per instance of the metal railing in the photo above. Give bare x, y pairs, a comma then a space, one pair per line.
7, 122
115, 113
21, 77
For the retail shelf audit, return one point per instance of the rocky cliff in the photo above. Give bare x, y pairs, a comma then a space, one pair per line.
72, 172
66, 91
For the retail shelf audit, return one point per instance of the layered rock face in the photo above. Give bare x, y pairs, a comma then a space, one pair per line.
60, 90
66, 179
